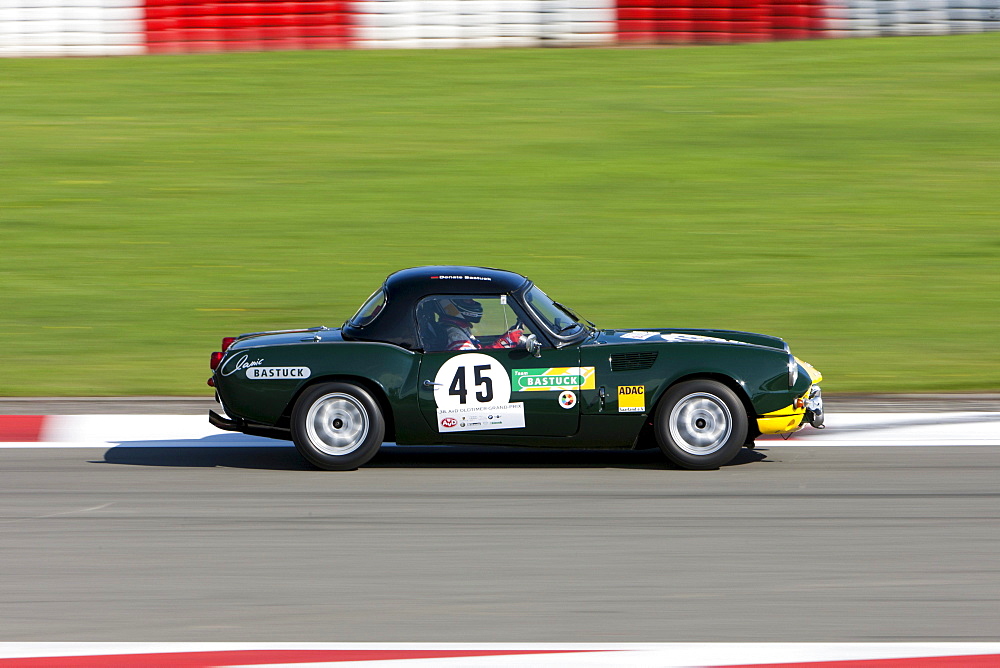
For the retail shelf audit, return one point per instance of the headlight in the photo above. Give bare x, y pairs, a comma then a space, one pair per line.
793, 371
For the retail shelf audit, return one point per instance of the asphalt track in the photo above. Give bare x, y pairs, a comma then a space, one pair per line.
505, 545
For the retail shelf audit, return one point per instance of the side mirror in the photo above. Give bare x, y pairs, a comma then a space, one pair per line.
532, 345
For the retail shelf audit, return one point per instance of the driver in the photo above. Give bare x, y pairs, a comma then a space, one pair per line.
457, 316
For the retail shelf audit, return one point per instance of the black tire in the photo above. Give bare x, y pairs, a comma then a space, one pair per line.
337, 426
700, 424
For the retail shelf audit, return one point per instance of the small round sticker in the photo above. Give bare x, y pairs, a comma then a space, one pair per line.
567, 399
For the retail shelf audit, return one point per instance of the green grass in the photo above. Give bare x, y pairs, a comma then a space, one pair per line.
842, 194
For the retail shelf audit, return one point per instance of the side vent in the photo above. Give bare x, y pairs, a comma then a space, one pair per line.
632, 361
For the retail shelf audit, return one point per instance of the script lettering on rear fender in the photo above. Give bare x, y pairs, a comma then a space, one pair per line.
278, 372
238, 363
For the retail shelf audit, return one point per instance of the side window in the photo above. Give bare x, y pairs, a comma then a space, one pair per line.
370, 309
468, 322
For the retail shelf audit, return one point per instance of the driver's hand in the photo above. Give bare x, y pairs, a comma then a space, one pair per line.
510, 339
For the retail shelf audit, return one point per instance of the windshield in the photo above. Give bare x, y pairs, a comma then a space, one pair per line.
560, 320
371, 308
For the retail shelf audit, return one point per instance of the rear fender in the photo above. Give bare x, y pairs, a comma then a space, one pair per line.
374, 389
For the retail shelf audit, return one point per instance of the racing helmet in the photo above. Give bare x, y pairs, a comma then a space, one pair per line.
464, 309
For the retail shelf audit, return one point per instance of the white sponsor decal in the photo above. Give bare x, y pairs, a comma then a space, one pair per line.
238, 362
278, 372
695, 338
472, 393
464, 278
642, 336
478, 418
471, 379
567, 399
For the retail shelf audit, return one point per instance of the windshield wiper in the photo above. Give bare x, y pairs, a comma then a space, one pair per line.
573, 314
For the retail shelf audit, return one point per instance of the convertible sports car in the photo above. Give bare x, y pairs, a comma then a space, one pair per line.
470, 355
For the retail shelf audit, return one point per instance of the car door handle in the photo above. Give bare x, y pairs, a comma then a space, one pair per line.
431, 383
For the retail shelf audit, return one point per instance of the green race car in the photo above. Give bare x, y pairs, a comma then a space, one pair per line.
470, 355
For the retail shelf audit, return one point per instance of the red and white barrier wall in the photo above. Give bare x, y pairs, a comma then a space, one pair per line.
71, 27
113, 27
412, 24
194, 26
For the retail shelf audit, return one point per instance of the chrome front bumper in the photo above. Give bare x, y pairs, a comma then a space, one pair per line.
814, 407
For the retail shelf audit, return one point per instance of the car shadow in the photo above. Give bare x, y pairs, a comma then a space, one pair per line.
220, 451
211, 451
456, 456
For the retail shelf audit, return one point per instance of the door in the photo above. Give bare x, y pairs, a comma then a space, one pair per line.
475, 393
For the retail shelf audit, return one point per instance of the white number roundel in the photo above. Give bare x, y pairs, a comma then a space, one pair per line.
471, 380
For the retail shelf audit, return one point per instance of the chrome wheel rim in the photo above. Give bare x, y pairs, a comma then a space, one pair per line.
700, 424
337, 424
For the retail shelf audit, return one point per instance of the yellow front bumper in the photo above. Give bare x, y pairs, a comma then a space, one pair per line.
780, 422
789, 418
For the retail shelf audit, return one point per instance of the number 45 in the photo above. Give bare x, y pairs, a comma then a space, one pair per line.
458, 384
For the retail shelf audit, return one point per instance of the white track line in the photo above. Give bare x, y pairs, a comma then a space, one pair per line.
843, 430
897, 429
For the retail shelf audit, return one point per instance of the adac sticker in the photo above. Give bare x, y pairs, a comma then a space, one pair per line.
553, 379
567, 399
631, 398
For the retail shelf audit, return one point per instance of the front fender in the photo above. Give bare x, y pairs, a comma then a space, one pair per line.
761, 373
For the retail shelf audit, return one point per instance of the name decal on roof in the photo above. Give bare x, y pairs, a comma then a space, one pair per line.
467, 278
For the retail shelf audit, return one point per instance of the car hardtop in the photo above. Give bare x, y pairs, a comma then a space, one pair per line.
394, 321
418, 282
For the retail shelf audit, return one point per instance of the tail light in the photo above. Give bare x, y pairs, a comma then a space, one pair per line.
226, 342
216, 358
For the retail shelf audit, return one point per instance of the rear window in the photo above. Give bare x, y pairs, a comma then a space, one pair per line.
370, 310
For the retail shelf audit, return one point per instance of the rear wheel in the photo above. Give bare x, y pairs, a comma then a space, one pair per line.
700, 424
337, 426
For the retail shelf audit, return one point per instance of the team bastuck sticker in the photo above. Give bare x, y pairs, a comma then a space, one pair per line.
277, 372
631, 399
555, 378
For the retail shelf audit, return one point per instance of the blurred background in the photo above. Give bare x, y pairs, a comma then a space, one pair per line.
840, 193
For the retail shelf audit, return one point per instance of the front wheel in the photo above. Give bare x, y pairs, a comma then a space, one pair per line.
337, 426
700, 424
